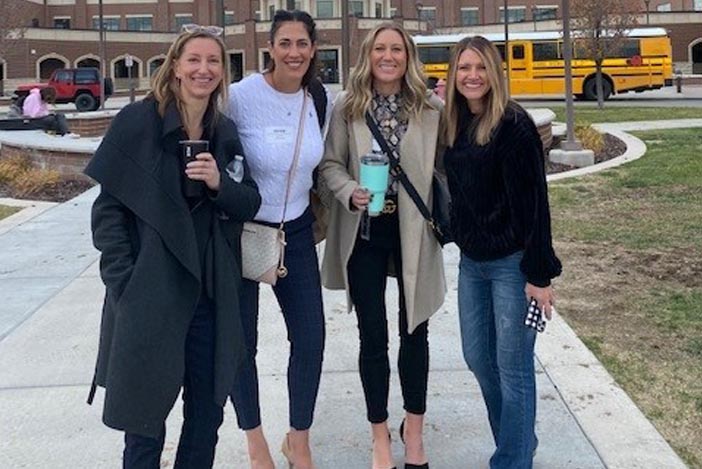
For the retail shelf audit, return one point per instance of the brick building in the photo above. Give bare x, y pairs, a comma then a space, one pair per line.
64, 33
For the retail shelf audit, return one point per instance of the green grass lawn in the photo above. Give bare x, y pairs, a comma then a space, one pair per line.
6, 211
631, 242
586, 116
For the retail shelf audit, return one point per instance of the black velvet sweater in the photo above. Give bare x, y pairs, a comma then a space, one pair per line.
499, 199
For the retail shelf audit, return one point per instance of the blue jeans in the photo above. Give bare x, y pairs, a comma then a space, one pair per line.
499, 350
202, 417
299, 295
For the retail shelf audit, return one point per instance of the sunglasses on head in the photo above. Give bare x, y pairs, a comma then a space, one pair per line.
196, 28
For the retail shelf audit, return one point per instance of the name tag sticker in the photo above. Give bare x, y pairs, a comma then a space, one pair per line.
275, 135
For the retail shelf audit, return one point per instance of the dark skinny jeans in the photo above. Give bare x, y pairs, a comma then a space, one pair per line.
368, 272
299, 295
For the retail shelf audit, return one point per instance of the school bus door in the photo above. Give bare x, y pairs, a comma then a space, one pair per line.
520, 68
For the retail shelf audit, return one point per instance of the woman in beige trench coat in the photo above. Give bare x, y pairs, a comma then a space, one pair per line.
386, 82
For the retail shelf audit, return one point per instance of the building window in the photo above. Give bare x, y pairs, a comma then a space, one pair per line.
427, 14
469, 16
393, 12
540, 13
514, 14
325, 8
356, 8
378, 10
293, 5
61, 22
271, 11
139, 23
108, 24
236, 66
666, 6
328, 63
229, 18
697, 5
180, 20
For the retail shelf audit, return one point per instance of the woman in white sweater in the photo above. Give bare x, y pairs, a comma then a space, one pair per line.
267, 110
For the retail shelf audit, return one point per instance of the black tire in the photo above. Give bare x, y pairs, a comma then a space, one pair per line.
590, 89
85, 102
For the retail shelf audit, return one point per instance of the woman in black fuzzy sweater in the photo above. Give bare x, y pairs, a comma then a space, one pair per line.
501, 220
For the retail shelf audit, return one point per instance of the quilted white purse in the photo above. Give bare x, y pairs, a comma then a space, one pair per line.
263, 253
263, 247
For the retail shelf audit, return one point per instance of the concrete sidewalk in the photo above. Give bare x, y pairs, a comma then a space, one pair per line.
50, 297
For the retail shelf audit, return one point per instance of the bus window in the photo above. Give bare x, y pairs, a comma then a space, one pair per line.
546, 51
626, 48
518, 52
501, 48
434, 54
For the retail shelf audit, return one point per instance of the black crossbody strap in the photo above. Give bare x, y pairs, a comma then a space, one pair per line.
397, 170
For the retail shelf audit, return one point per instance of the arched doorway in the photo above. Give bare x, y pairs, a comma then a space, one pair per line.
122, 73
88, 63
154, 65
47, 67
696, 57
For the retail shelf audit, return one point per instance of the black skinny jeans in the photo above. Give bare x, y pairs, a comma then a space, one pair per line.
202, 417
368, 272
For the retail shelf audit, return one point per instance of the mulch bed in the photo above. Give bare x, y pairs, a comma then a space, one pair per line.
64, 190
69, 188
612, 148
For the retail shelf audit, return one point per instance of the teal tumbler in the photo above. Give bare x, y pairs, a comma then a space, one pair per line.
375, 168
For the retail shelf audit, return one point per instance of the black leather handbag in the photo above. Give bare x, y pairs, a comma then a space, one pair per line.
439, 218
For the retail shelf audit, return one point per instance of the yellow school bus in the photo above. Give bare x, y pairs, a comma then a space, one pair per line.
642, 62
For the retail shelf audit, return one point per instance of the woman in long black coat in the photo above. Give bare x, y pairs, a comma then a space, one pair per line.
171, 263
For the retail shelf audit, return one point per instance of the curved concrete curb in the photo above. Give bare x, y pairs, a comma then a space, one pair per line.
41, 140
635, 149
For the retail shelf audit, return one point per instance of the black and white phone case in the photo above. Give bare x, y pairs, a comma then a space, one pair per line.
534, 317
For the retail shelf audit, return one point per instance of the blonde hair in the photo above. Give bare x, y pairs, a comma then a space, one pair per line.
360, 88
165, 86
494, 102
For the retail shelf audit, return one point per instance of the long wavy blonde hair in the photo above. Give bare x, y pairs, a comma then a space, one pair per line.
360, 87
494, 102
165, 87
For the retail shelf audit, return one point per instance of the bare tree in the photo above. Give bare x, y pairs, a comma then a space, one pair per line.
600, 28
13, 23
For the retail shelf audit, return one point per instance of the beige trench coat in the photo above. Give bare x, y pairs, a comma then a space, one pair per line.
422, 260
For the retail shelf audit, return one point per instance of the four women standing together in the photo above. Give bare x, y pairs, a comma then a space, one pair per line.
494, 165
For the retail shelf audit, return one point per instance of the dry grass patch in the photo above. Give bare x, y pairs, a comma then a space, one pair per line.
631, 243
6, 211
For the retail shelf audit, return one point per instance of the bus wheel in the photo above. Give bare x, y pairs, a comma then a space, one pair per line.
590, 89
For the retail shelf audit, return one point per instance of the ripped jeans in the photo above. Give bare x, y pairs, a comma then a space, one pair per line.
499, 350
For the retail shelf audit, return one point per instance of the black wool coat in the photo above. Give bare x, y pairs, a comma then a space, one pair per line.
151, 267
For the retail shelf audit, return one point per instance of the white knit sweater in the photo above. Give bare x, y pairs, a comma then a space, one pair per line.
267, 121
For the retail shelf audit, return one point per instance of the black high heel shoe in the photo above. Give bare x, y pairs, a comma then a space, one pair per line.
402, 438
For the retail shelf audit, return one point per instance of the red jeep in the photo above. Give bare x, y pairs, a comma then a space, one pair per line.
72, 85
